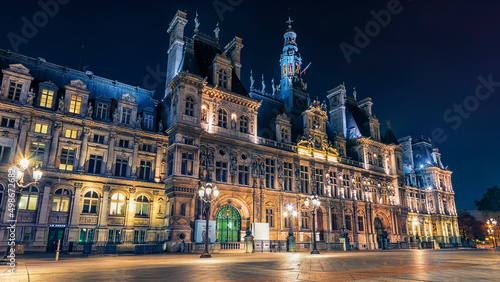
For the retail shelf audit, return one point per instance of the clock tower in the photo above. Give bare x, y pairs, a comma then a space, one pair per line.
292, 88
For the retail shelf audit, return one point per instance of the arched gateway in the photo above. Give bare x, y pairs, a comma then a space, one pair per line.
379, 232
228, 224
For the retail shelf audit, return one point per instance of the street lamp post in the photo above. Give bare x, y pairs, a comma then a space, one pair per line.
290, 246
16, 175
208, 193
315, 204
491, 229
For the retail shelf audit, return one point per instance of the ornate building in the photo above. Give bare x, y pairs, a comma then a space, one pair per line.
122, 167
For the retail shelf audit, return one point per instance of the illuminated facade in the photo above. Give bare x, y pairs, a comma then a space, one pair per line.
121, 167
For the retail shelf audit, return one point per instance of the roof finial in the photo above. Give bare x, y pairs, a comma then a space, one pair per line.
196, 23
216, 30
289, 22
354, 93
388, 122
263, 84
252, 81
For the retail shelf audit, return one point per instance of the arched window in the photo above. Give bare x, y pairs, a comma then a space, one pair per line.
284, 135
243, 124
189, 107
223, 78
90, 201
29, 198
117, 206
222, 118
297, 68
142, 205
60, 203
284, 70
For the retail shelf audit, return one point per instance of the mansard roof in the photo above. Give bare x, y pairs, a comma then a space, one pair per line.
43, 71
199, 54
357, 119
389, 136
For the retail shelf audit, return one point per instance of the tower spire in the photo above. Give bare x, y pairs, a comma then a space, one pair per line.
289, 22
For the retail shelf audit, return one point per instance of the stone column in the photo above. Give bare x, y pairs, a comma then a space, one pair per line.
355, 224
103, 216
75, 215
159, 154
43, 216
22, 136
83, 153
133, 165
130, 215
54, 144
111, 149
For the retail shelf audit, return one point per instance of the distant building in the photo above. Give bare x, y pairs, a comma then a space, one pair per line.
121, 167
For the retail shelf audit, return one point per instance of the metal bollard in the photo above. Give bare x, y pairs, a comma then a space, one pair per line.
58, 249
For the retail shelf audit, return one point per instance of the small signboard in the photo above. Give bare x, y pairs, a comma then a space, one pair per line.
200, 229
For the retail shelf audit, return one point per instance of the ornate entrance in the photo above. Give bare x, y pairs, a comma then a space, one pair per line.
379, 232
228, 224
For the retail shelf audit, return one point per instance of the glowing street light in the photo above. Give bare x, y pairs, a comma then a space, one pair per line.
208, 193
290, 211
491, 229
312, 207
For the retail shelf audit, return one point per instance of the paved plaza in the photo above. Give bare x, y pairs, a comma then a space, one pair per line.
394, 265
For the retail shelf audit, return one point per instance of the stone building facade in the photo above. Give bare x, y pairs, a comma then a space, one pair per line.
121, 167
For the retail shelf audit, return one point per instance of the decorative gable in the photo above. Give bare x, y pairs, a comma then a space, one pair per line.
19, 68
78, 84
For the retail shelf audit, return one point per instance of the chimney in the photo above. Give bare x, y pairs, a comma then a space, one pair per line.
176, 31
233, 50
366, 106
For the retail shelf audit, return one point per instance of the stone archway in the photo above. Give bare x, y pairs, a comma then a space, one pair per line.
228, 224
380, 233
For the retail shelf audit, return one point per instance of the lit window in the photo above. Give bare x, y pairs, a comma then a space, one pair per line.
29, 198
75, 104
70, 133
222, 118
46, 98
117, 205
90, 202
189, 107
37, 152
67, 159
223, 78
14, 90
243, 124
142, 206
126, 115
41, 128
60, 203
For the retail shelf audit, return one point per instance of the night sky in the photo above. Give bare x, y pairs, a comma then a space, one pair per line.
426, 59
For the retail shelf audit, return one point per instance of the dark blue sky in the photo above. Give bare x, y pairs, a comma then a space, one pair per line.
427, 59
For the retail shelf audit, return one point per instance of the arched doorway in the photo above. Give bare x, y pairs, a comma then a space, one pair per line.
379, 232
319, 220
228, 224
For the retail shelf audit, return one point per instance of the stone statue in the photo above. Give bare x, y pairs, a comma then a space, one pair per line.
90, 110
216, 31
234, 165
61, 104
31, 97
196, 22
138, 121
263, 84
274, 87
252, 81
160, 126
233, 124
115, 116
210, 159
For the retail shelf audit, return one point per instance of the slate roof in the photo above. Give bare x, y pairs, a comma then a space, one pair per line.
389, 137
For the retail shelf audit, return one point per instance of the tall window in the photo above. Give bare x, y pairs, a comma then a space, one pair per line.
243, 175
380, 162
75, 104
67, 159
4, 154
187, 163
287, 175
370, 158
86, 235
139, 236
319, 181
145, 170
71, 133
117, 204
121, 167
8, 122
335, 223
114, 236
244, 124
101, 111
90, 201
270, 217
183, 209
95, 164
304, 179
222, 118
37, 151
270, 173
348, 225
60, 203
14, 90
148, 121
142, 205
221, 171
361, 226
284, 135
305, 220
223, 78
29, 198
41, 128
170, 163
46, 98
126, 115
189, 111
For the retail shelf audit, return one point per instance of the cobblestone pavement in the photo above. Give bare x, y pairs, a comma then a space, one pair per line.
394, 265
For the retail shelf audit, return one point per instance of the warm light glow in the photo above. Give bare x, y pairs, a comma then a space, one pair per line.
294, 213
24, 163
37, 174
233, 116
285, 213
16, 172
203, 107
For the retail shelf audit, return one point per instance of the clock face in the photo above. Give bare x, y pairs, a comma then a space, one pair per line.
317, 142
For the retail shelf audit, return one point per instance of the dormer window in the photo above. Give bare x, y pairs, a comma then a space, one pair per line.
75, 104
222, 120
148, 121
14, 90
223, 78
284, 135
244, 124
46, 98
126, 115
189, 107
101, 110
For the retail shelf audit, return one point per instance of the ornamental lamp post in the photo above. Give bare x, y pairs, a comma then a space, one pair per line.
315, 204
208, 193
16, 175
491, 229
290, 246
